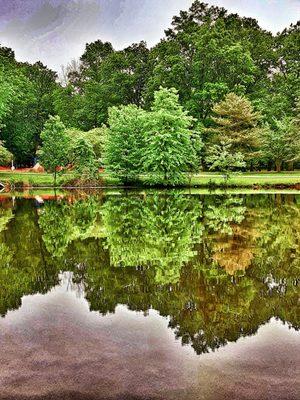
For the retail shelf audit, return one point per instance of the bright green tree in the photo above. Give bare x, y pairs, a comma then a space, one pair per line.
25, 104
97, 138
55, 147
5, 155
6, 94
84, 159
222, 158
169, 150
125, 142
281, 142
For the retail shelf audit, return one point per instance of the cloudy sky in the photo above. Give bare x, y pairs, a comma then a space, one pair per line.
55, 31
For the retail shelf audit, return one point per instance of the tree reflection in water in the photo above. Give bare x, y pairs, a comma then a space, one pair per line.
217, 266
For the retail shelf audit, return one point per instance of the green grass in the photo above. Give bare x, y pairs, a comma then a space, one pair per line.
26, 179
248, 179
245, 180
35, 180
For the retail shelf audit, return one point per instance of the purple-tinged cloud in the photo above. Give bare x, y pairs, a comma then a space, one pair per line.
55, 31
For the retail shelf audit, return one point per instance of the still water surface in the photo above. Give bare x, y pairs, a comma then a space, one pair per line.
150, 296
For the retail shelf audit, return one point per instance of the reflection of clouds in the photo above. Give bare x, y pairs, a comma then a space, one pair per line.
56, 31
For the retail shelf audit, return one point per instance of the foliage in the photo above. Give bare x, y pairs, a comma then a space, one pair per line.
281, 142
97, 138
54, 150
217, 267
169, 148
125, 142
229, 73
236, 122
6, 95
221, 158
5, 155
157, 232
84, 159
27, 104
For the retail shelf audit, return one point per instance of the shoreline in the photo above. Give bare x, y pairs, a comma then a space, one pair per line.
15, 181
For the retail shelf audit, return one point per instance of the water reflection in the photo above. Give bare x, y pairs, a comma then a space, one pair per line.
217, 266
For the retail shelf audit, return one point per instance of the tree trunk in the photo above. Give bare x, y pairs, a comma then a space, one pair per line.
55, 177
278, 199
290, 165
278, 166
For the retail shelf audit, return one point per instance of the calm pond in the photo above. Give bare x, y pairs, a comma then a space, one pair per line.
152, 295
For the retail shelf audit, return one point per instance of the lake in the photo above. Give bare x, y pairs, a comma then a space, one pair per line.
150, 295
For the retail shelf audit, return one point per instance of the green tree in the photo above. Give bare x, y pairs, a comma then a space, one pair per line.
28, 92
222, 158
6, 94
106, 78
281, 142
67, 105
296, 117
125, 142
236, 121
97, 137
84, 159
95, 53
19, 129
5, 155
55, 146
169, 150
208, 53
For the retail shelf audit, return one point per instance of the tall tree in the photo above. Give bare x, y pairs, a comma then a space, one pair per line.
125, 142
208, 53
5, 156
169, 149
28, 90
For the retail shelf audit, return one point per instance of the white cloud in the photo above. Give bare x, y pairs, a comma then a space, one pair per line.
55, 31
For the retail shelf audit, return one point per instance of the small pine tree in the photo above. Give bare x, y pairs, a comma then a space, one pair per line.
237, 122
55, 145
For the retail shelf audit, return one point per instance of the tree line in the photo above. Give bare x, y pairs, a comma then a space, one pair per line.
217, 92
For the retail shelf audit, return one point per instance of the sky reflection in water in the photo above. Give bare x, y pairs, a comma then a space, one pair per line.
131, 278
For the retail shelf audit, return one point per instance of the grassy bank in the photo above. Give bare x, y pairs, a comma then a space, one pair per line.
17, 180
248, 180
14, 179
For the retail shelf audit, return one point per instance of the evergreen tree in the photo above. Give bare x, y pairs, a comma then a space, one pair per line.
236, 122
